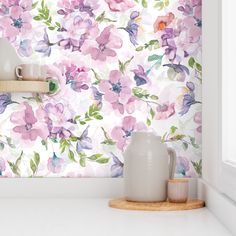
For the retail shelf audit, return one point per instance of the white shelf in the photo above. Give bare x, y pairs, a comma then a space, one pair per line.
17, 86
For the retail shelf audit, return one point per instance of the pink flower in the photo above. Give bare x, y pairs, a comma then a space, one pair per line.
117, 90
77, 77
17, 22
198, 120
165, 111
119, 5
104, 45
57, 120
192, 31
121, 133
28, 127
163, 21
55, 164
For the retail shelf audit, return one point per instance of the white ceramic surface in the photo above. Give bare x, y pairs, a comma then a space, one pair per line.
90, 217
147, 168
31, 72
8, 60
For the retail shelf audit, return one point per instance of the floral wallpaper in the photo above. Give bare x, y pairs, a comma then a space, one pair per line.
121, 66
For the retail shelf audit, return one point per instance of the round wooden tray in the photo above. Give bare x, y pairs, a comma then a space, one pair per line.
20, 86
121, 203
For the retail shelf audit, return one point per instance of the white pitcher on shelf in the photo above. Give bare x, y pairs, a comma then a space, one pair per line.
8, 60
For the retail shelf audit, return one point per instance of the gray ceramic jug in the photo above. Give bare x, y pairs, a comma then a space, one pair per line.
148, 166
8, 60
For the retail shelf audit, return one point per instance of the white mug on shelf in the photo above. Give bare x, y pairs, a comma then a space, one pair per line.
31, 72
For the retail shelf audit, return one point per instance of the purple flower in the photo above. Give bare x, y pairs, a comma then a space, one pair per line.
140, 76
117, 167
25, 48
97, 97
182, 166
5, 100
57, 120
44, 46
169, 43
84, 141
179, 69
70, 43
189, 99
132, 28
55, 164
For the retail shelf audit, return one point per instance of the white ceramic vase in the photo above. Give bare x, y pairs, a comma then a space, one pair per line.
8, 60
148, 164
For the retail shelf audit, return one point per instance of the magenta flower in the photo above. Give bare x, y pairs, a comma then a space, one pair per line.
17, 22
55, 164
116, 90
121, 134
165, 111
28, 127
119, 5
104, 45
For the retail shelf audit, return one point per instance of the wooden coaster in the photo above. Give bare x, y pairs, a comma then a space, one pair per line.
21, 86
121, 203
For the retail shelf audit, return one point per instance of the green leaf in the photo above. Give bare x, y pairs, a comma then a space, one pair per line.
1, 146
144, 3
51, 27
97, 77
152, 112
36, 158
108, 140
173, 129
102, 160
154, 97
33, 166
74, 139
34, 4
82, 162
197, 166
154, 57
95, 157
185, 146
199, 67
9, 142
99, 117
148, 122
191, 62
71, 156
37, 18
193, 142
140, 48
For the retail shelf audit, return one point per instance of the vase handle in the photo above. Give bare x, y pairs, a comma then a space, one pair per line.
19, 72
172, 163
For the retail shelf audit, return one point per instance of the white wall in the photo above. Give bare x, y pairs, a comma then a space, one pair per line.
211, 83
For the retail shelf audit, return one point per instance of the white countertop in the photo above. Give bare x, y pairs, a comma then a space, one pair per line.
90, 217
